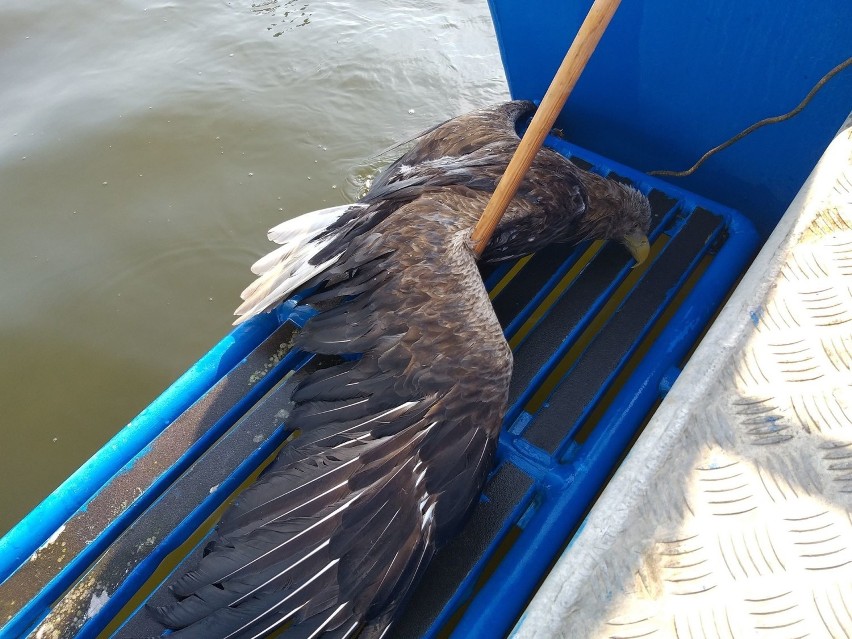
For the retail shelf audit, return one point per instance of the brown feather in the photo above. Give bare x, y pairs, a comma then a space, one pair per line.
397, 443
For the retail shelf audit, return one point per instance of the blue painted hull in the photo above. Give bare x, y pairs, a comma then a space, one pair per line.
671, 80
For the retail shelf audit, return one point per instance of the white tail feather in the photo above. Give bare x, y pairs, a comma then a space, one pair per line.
308, 223
260, 301
291, 263
286, 268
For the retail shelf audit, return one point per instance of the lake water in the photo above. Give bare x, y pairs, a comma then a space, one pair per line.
145, 148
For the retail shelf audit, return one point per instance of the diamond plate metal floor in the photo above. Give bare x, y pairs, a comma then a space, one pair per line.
732, 516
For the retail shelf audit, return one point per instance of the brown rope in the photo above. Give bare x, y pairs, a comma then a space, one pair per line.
754, 127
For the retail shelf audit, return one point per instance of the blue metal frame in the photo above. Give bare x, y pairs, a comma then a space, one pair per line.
568, 481
46, 518
121, 452
143, 571
564, 483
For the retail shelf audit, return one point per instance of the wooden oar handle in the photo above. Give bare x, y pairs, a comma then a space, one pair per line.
563, 82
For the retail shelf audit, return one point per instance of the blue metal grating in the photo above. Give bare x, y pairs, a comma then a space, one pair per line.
592, 338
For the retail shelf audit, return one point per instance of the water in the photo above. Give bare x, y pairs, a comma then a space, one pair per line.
145, 148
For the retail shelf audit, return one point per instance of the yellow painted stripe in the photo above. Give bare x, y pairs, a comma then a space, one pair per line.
586, 337
555, 294
639, 354
508, 277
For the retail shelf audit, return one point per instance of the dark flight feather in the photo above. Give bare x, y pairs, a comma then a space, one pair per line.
397, 440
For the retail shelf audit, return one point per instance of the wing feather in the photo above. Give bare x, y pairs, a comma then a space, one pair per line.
340, 526
392, 451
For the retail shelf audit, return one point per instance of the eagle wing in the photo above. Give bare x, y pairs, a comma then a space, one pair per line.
395, 441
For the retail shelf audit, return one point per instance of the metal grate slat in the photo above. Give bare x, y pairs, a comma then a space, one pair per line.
605, 270
578, 390
452, 564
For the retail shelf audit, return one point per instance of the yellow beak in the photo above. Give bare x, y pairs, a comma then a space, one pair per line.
638, 246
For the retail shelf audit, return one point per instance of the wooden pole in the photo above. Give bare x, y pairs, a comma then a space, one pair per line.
563, 82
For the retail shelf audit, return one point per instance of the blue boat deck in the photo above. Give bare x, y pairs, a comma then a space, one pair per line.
596, 345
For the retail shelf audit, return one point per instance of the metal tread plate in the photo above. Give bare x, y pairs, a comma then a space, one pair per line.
731, 517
